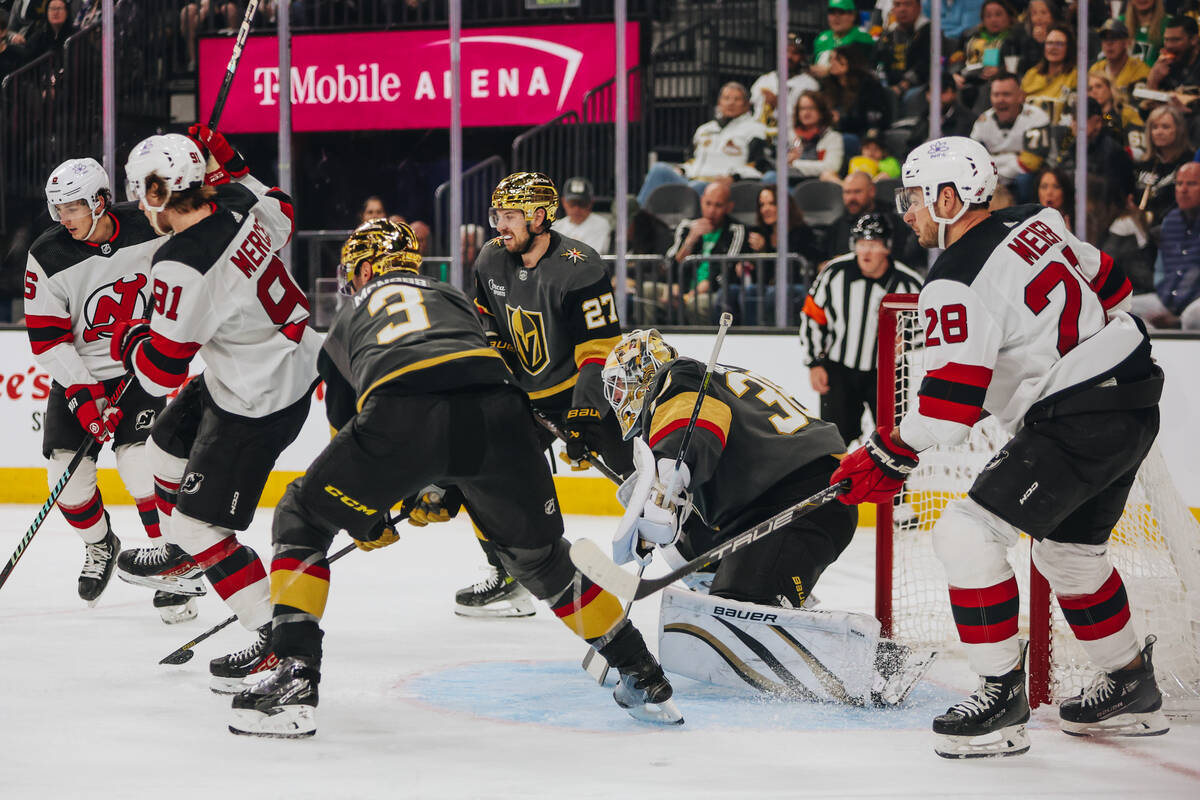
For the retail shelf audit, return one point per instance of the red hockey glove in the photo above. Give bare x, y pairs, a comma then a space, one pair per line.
126, 335
89, 405
876, 471
232, 164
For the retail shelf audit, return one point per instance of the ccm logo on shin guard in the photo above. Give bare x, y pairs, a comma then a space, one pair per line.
753, 616
349, 501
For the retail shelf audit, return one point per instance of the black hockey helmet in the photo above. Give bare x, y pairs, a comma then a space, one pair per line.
872, 226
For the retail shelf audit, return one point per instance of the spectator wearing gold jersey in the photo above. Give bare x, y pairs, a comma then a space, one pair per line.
1049, 81
1122, 70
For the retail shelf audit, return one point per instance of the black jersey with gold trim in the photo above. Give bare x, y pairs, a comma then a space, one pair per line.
407, 332
560, 317
750, 434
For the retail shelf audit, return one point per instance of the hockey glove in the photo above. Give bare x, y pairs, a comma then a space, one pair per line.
579, 425
876, 470
89, 405
232, 164
428, 508
383, 536
127, 334
667, 507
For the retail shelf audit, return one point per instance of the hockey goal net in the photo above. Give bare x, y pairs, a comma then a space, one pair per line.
1155, 547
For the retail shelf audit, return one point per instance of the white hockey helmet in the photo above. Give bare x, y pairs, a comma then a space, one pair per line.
77, 179
963, 163
173, 157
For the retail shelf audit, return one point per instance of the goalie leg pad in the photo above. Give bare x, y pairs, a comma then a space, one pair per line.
1092, 597
972, 544
796, 654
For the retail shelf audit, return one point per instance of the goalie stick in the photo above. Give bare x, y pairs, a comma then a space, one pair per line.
601, 569
595, 459
184, 654
58, 487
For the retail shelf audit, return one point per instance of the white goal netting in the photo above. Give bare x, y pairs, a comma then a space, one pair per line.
1155, 547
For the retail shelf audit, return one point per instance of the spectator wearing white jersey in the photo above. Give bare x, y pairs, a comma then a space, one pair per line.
580, 223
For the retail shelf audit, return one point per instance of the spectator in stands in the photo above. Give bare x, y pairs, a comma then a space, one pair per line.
715, 232
816, 149
12, 56
1003, 198
726, 146
372, 208
1167, 149
422, 231
1120, 231
580, 223
195, 14
1119, 118
1107, 158
957, 17
1003, 127
843, 30
903, 53
1039, 17
764, 90
956, 117
860, 104
837, 331
1147, 20
874, 160
1051, 80
1055, 190
51, 31
859, 198
986, 47
1175, 301
1120, 68
1178, 63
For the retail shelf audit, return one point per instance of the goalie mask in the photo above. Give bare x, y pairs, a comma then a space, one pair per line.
78, 179
525, 192
387, 245
628, 372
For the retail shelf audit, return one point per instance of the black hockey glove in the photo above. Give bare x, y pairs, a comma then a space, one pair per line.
127, 333
579, 425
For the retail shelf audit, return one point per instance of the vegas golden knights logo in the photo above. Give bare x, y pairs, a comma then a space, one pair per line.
529, 338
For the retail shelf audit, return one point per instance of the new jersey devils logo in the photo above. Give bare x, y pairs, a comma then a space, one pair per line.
145, 420
120, 300
191, 483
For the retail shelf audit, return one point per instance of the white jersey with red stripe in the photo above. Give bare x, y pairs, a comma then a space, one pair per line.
75, 292
1016, 310
220, 289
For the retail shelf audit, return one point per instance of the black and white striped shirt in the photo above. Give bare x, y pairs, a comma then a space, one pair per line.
841, 312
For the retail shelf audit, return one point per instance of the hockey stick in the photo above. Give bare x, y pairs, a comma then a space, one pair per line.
598, 669
231, 69
595, 461
58, 487
592, 561
184, 654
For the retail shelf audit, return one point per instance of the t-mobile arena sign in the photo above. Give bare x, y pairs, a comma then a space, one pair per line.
401, 79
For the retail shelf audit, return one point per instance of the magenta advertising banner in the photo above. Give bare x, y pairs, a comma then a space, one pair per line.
401, 79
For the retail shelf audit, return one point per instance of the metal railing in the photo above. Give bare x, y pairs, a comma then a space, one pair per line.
477, 184
377, 14
552, 148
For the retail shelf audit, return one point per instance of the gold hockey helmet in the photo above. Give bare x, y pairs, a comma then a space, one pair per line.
387, 245
526, 192
628, 372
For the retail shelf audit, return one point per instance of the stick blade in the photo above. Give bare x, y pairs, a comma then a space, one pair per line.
601, 569
179, 657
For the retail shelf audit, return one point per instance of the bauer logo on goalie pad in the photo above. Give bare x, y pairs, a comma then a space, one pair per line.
529, 338
191, 483
145, 419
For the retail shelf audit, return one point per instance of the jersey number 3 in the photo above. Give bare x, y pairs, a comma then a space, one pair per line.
411, 304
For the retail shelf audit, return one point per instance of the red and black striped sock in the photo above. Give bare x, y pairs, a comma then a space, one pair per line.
988, 614
166, 494
148, 510
1102, 613
84, 517
231, 568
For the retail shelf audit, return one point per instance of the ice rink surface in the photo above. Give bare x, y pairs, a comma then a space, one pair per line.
416, 702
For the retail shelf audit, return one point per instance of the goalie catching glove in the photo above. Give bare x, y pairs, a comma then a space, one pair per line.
89, 405
578, 424
876, 470
654, 509
232, 163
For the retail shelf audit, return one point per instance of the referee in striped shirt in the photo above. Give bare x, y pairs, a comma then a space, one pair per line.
841, 314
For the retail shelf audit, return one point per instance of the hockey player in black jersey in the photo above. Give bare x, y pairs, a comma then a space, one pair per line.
546, 304
85, 274
754, 452
419, 397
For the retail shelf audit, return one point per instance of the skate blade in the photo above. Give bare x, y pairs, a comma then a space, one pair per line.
1152, 723
192, 587
236, 685
664, 713
1010, 741
506, 611
292, 722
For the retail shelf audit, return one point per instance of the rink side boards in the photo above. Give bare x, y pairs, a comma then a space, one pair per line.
23, 384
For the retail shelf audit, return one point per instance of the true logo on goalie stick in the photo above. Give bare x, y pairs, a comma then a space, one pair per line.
145, 419
191, 483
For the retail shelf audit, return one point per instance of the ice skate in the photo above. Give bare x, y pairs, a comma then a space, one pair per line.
1122, 703
644, 691
162, 566
98, 562
897, 670
991, 722
174, 608
229, 672
498, 595
282, 705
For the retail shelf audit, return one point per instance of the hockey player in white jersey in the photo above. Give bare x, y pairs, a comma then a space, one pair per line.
220, 291
85, 274
1025, 322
